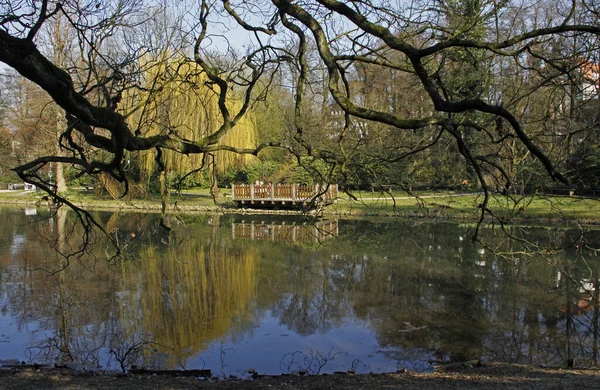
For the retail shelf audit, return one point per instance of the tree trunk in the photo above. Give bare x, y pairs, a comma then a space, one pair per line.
61, 183
61, 125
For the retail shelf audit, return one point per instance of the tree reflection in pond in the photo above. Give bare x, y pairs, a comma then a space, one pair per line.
190, 294
386, 295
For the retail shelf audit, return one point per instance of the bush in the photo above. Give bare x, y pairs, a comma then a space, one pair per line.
584, 166
261, 171
198, 179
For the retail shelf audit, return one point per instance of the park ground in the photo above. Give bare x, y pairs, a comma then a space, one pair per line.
488, 376
535, 208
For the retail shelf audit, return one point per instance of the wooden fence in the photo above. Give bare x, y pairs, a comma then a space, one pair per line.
284, 194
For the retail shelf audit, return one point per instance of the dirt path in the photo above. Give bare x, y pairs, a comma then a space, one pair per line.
488, 377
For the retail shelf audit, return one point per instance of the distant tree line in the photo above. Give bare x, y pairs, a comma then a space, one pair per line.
500, 96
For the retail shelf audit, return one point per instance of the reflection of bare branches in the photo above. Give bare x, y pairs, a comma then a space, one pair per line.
222, 354
355, 364
85, 356
130, 351
50, 350
67, 241
311, 363
31, 173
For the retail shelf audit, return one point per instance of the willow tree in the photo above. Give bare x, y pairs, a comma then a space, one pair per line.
98, 136
183, 104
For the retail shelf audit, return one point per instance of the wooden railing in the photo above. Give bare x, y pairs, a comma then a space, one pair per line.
284, 192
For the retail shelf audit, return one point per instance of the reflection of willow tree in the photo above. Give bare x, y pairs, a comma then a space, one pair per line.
183, 294
191, 294
177, 299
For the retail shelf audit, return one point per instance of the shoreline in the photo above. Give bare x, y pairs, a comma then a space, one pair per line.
432, 213
488, 375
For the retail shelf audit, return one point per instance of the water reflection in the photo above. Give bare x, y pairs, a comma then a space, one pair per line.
285, 230
377, 297
189, 294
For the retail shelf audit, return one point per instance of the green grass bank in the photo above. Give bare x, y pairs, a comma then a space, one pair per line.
429, 204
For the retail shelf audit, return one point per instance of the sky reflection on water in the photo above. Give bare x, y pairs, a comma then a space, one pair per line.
278, 295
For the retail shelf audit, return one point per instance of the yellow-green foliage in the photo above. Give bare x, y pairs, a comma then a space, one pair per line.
191, 295
179, 99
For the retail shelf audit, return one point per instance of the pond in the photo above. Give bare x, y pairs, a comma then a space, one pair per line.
238, 294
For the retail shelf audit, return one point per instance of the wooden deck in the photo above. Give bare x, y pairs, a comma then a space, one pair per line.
283, 195
285, 232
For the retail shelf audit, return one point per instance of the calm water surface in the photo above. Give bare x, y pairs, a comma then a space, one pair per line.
276, 295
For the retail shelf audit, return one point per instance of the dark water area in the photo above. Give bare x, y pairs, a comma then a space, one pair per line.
282, 295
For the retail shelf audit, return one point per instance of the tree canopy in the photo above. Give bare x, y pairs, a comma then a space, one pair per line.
375, 88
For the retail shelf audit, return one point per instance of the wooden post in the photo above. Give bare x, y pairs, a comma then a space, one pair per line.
232, 191
272, 191
293, 192
251, 192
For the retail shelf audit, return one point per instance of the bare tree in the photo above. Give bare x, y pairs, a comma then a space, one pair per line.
444, 46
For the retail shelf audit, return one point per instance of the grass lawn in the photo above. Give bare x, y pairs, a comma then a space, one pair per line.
467, 206
424, 204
